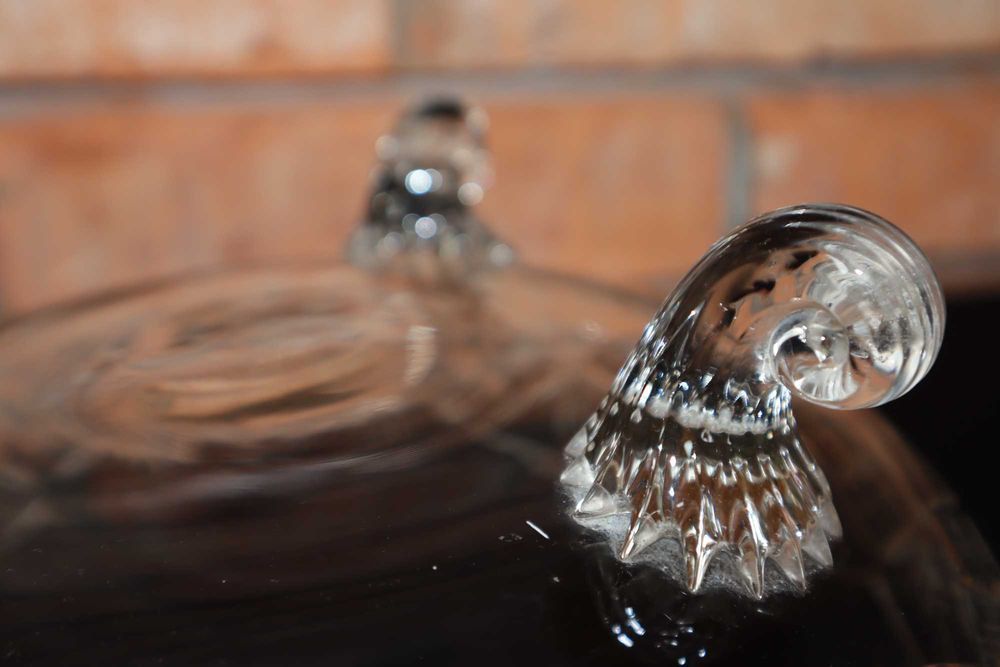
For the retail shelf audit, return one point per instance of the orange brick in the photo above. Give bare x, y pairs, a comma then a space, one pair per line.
618, 189
104, 197
928, 160
65, 38
457, 34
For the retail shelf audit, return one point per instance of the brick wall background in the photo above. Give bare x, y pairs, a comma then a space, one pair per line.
140, 139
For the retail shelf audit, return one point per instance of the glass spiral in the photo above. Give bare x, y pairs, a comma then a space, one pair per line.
696, 444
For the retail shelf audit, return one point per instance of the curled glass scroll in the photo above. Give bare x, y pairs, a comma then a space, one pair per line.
693, 459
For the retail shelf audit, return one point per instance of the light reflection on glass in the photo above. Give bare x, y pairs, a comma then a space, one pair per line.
425, 227
419, 182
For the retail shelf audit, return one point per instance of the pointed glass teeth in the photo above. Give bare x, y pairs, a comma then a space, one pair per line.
752, 561
816, 546
598, 502
789, 559
578, 473
642, 532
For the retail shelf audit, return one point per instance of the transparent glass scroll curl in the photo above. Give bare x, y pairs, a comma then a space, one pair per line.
695, 453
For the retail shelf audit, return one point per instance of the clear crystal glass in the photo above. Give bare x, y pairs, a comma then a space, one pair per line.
696, 443
432, 171
428, 336
356, 464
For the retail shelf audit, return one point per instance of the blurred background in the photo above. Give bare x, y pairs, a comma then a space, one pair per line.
143, 139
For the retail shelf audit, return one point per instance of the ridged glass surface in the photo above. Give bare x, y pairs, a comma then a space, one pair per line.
207, 386
321, 466
330, 465
693, 460
282, 366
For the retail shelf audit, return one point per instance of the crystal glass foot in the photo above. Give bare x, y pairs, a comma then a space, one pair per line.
694, 459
